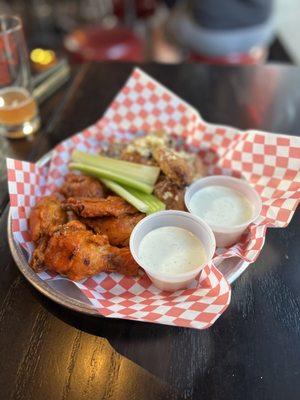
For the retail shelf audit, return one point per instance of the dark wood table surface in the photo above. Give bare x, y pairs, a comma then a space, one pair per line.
252, 352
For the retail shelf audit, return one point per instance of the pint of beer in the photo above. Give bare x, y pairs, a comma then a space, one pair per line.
18, 110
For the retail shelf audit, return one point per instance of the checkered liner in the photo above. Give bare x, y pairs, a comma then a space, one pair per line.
271, 163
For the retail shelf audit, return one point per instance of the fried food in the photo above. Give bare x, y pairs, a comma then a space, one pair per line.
77, 253
170, 194
45, 217
121, 261
81, 186
97, 238
173, 165
145, 144
117, 229
95, 207
37, 260
136, 157
180, 167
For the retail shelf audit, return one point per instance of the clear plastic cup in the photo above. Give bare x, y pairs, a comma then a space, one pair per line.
178, 219
227, 235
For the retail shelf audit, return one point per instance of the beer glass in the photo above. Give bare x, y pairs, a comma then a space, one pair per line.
19, 115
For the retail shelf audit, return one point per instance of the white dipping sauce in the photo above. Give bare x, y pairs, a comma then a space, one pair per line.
221, 206
171, 250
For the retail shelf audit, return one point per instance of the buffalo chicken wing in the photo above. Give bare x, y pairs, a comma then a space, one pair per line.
81, 186
45, 217
78, 253
94, 207
117, 229
170, 193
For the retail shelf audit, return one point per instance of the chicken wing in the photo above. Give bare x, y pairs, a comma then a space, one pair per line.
81, 186
173, 165
117, 229
94, 207
170, 193
140, 149
77, 253
45, 217
37, 260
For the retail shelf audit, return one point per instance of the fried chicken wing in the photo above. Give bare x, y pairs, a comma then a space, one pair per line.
94, 207
136, 157
117, 229
170, 194
173, 165
141, 148
45, 216
77, 253
179, 166
121, 261
37, 260
81, 186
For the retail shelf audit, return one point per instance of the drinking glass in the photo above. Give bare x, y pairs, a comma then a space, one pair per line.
19, 115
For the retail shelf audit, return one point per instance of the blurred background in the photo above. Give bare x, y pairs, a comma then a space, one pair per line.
169, 31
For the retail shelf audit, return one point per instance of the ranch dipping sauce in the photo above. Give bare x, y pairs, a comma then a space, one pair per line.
221, 206
171, 250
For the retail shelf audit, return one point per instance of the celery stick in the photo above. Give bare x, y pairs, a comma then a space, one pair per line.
115, 176
126, 195
144, 202
153, 202
144, 173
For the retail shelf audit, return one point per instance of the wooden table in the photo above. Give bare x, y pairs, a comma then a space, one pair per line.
252, 352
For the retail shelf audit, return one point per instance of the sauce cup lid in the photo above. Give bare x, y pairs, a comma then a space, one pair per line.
237, 184
180, 219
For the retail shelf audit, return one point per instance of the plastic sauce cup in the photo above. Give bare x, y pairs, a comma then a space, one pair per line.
227, 235
180, 219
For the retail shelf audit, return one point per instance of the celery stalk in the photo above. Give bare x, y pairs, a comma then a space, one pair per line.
153, 202
144, 173
146, 203
126, 195
112, 175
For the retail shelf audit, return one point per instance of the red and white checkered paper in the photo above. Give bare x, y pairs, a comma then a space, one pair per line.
270, 162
